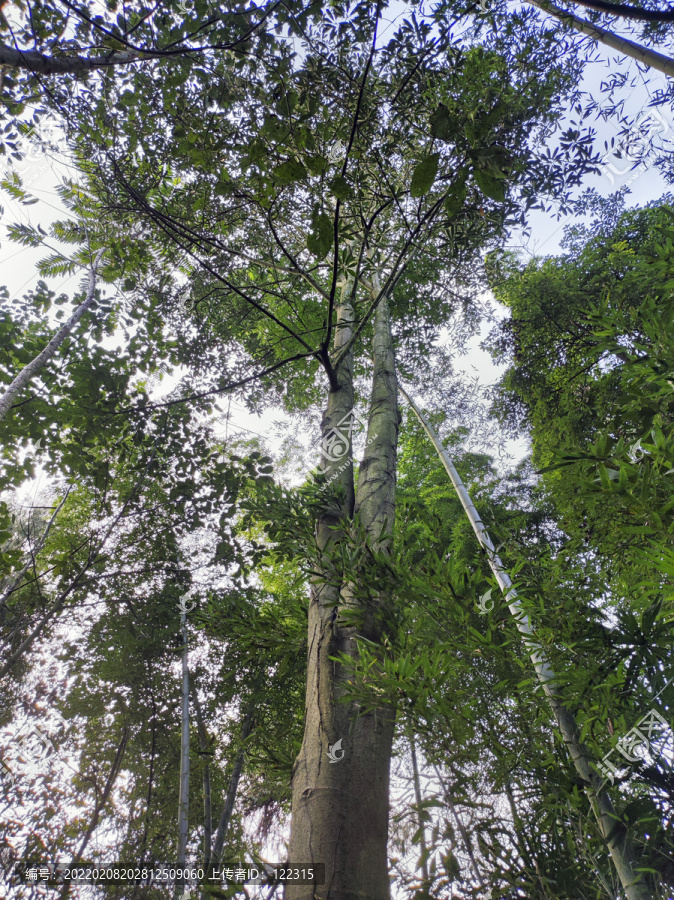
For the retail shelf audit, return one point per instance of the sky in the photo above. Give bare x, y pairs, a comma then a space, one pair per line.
43, 168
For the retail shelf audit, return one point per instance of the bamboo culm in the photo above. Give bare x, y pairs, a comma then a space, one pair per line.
647, 57
612, 830
40, 361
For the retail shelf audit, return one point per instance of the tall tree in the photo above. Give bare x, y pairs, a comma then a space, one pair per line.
337, 173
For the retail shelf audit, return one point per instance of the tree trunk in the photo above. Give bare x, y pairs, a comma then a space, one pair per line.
100, 804
611, 827
340, 803
228, 808
39, 544
204, 751
37, 364
150, 782
628, 48
459, 824
184, 798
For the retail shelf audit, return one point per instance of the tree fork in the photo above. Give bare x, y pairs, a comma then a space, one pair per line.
340, 809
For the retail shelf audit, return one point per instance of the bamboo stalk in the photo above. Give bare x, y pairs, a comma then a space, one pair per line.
40, 361
628, 48
610, 826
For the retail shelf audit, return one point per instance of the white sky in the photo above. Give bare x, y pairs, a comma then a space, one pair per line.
42, 171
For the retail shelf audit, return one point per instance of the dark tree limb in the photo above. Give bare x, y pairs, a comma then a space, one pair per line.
626, 11
100, 803
228, 808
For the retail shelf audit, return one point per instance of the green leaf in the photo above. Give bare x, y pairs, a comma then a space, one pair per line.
490, 186
316, 164
441, 126
341, 188
456, 197
424, 175
289, 171
319, 241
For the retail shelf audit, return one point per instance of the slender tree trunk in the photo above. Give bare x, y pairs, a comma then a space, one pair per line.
150, 785
230, 799
642, 54
63, 596
459, 824
39, 544
100, 803
611, 827
420, 812
37, 364
203, 748
184, 798
340, 802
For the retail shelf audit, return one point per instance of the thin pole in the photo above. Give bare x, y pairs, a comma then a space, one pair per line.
40, 361
184, 798
610, 826
648, 57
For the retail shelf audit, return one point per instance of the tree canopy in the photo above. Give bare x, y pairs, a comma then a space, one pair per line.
300, 208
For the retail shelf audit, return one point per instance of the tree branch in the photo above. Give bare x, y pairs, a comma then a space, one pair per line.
628, 12
622, 45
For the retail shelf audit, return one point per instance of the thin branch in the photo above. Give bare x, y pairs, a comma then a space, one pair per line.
40, 361
397, 271
628, 12
173, 229
100, 804
225, 390
92, 557
345, 164
38, 547
628, 48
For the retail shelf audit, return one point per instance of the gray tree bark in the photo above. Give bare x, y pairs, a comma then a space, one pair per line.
340, 809
35, 365
41, 64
